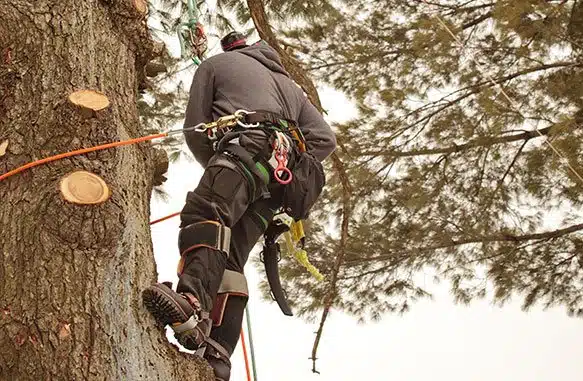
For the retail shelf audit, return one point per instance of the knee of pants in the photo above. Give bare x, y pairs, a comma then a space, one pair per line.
222, 191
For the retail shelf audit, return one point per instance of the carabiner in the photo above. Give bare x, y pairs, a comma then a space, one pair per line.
201, 127
240, 114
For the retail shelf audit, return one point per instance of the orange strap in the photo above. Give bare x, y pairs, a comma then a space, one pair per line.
164, 218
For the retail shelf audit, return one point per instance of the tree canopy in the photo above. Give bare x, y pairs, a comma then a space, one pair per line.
466, 156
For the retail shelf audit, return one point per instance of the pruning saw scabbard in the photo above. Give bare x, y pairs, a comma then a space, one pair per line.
271, 257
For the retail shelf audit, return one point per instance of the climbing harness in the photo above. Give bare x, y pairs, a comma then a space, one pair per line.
277, 123
191, 33
281, 146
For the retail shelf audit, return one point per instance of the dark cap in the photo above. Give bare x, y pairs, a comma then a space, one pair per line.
232, 41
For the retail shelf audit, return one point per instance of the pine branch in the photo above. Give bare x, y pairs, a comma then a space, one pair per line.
474, 89
361, 60
478, 142
477, 21
500, 237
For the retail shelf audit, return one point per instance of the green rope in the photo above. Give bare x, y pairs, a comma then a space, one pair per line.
192, 11
251, 342
189, 26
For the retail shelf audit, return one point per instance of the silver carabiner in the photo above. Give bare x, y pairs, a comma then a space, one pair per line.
282, 142
240, 113
201, 127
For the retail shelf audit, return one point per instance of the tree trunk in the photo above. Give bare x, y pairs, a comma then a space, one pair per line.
71, 275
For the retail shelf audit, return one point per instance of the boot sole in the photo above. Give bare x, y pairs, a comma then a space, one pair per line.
162, 306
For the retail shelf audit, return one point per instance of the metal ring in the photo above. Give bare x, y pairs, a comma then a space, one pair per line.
278, 176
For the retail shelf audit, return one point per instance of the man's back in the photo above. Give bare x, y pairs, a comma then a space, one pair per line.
251, 78
254, 79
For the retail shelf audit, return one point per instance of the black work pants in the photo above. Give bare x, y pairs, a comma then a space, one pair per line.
225, 191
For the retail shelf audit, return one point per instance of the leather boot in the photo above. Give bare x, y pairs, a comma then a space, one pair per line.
182, 311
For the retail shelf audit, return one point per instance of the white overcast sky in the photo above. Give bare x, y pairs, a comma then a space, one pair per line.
437, 340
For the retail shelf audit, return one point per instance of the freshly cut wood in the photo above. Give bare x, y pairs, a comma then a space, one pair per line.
82, 187
3, 147
90, 101
141, 6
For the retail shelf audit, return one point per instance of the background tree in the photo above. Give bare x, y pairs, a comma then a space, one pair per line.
450, 163
71, 275
447, 166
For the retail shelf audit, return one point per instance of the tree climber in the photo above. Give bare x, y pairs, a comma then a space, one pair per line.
247, 179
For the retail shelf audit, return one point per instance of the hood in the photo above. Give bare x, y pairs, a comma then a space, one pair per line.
265, 54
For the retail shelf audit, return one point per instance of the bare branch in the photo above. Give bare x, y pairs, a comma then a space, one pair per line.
477, 21
259, 17
501, 237
474, 143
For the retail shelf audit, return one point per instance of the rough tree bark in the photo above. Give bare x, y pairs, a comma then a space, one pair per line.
71, 275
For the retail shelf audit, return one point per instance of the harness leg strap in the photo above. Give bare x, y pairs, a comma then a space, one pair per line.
210, 234
218, 358
232, 284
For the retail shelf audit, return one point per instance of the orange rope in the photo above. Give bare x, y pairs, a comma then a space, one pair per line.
79, 152
245, 356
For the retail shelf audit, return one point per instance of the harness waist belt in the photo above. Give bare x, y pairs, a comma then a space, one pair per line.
267, 116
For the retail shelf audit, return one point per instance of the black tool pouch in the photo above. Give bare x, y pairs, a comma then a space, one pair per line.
300, 195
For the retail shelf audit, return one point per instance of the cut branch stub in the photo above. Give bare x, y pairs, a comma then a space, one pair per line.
82, 187
141, 6
155, 68
3, 147
89, 101
158, 49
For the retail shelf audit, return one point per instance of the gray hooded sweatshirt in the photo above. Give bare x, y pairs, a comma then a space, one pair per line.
252, 78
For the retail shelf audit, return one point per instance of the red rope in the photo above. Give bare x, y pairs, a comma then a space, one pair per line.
245, 356
164, 218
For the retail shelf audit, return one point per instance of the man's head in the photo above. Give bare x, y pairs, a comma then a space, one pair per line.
233, 41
